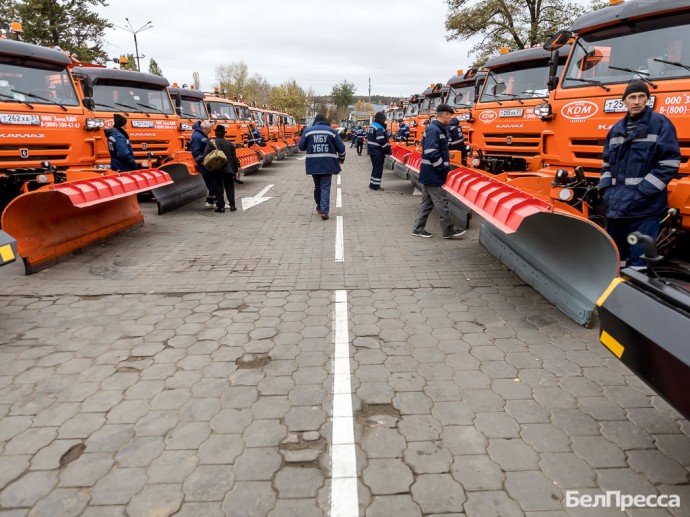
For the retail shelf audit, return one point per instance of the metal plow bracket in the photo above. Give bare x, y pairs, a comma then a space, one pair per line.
568, 260
185, 188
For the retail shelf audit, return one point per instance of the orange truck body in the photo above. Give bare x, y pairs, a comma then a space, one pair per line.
234, 116
507, 134
53, 201
190, 108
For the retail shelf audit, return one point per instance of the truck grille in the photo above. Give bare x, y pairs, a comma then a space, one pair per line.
36, 153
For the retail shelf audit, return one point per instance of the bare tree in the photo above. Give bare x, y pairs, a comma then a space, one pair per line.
233, 78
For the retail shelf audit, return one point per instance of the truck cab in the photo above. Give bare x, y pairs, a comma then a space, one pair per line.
190, 107
153, 125
508, 134
41, 119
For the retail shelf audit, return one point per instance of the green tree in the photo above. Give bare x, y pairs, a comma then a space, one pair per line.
290, 97
197, 80
68, 24
362, 105
342, 95
258, 90
509, 23
154, 68
233, 78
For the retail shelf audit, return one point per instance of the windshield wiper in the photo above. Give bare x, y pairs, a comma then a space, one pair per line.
5, 96
513, 96
534, 95
152, 108
674, 63
111, 107
132, 107
39, 97
636, 72
593, 82
495, 97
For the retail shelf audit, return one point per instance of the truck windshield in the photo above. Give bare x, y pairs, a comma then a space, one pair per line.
193, 108
243, 112
461, 96
412, 110
654, 49
222, 111
35, 82
258, 117
516, 81
148, 98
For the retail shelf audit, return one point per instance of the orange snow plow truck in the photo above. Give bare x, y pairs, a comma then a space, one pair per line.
548, 225
53, 201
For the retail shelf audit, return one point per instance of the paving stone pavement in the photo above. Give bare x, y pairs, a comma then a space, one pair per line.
185, 368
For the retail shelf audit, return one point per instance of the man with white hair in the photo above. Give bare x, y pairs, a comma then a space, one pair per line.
197, 144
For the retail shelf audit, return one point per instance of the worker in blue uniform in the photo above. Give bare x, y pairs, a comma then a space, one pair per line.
378, 147
325, 153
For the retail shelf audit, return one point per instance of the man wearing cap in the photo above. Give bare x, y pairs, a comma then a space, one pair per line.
119, 147
377, 148
432, 175
641, 156
223, 177
403, 132
197, 145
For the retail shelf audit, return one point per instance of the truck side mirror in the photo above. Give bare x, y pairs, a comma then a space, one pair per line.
89, 103
557, 40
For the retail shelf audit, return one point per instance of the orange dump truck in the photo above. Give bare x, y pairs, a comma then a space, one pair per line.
463, 89
233, 116
190, 107
53, 201
546, 225
153, 126
507, 133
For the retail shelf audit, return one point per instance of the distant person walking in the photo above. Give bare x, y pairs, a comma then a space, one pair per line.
325, 153
360, 139
197, 145
378, 147
223, 177
432, 175
119, 146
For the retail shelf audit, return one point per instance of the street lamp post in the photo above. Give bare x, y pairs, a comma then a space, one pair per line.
144, 27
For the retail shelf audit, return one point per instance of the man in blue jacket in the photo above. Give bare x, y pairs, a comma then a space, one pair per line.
403, 132
456, 140
325, 152
641, 156
377, 148
119, 147
432, 175
197, 145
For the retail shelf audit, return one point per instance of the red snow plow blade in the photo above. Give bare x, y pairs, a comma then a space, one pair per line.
565, 257
249, 160
55, 222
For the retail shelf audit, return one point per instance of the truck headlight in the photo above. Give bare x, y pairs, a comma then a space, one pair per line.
542, 110
93, 124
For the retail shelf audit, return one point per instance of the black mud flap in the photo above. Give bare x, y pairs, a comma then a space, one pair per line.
8, 249
645, 322
567, 259
186, 188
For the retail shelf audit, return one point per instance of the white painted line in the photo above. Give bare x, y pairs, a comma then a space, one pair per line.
302, 157
248, 202
339, 198
339, 242
339, 180
344, 497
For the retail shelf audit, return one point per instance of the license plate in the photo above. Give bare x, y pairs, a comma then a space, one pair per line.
510, 113
143, 123
618, 106
20, 120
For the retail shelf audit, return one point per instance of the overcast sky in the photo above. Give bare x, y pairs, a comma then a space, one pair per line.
400, 44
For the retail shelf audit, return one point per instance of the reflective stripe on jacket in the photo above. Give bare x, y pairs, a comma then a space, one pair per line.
377, 140
638, 167
324, 149
120, 149
435, 157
